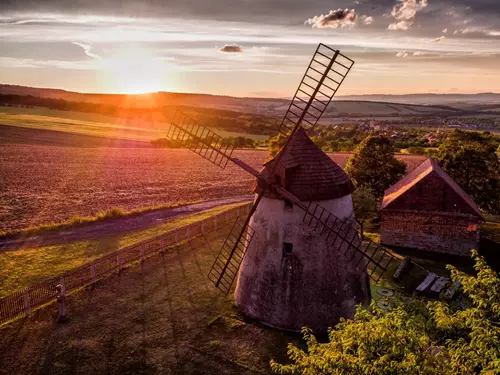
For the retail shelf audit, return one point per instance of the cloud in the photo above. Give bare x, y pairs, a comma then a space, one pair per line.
404, 12
401, 25
334, 19
87, 49
402, 54
437, 40
231, 48
445, 31
420, 53
367, 20
478, 30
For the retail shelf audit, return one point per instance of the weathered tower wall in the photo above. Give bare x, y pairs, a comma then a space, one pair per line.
309, 284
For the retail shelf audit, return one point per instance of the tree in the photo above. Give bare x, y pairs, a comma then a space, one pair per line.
373, 165
275, 144
470, 158
365, 205
413, 339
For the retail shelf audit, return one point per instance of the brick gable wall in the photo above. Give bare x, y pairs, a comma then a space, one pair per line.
436, 232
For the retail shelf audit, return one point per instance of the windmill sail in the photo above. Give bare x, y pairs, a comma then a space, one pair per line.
199, 139
228, 261
322, 79
342, 235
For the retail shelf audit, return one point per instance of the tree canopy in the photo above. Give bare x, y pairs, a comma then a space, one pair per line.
373, 165
434, 338
470, 158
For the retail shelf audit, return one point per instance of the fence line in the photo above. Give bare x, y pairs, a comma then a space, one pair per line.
22, 303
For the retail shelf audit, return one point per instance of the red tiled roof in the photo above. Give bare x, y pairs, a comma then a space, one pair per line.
418, 176
307, 172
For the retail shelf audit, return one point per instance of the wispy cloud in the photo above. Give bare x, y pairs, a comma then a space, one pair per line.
87, 49
402, 54
437, 40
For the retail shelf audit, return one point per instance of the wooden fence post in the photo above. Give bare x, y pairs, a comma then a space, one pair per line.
63, 285
92, 271
61, 299
119, 260
162, 247
27, 301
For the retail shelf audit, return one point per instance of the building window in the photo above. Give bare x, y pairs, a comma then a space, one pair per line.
287, 248
288, 204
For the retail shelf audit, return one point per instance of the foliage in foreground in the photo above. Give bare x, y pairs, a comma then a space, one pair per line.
373, 165
413, 339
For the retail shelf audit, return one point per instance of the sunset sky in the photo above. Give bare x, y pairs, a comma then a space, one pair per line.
249, 47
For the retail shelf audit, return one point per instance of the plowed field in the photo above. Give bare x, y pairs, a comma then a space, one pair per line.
41, 184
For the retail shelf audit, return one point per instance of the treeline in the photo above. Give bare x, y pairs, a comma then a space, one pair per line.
236, 142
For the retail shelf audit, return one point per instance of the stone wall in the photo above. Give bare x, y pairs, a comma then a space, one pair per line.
435, 232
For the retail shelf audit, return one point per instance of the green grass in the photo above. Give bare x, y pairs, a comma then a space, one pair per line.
100, 129
80, 221
95, 124
166, 319
21, 268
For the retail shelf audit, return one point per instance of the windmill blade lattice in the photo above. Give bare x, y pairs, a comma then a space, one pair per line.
225, 268
199, 139
322, 79
341, 234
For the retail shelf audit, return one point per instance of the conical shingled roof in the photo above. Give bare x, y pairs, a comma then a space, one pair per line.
307, 172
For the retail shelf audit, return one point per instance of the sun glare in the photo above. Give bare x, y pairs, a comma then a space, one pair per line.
135, 71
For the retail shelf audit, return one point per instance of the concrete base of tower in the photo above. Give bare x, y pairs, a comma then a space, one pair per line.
290, 277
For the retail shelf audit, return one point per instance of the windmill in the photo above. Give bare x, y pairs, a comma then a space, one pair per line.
298, 256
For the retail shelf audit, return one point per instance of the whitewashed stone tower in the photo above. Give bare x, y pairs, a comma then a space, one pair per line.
290, 277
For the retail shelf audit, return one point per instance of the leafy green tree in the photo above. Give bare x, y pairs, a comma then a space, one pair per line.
470, 158
373, 165
365, 205
275, 144
413, 339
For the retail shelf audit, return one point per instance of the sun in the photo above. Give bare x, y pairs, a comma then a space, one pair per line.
135, 71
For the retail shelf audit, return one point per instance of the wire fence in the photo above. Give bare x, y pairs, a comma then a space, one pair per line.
23, 302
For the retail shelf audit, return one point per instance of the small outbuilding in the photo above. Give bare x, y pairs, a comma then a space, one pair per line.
428, 210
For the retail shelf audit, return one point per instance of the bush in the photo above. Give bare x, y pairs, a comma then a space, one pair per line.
412, 339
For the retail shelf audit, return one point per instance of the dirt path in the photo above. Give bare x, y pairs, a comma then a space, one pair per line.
120, 225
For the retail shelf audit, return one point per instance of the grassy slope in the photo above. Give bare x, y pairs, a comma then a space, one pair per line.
21, 268
93, 124
80, 221
168, 319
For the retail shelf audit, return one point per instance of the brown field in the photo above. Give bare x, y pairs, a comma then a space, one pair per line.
41, 184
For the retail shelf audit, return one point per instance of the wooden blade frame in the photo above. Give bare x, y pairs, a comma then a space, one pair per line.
199, 139
323, 77
227, 264
343, 235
